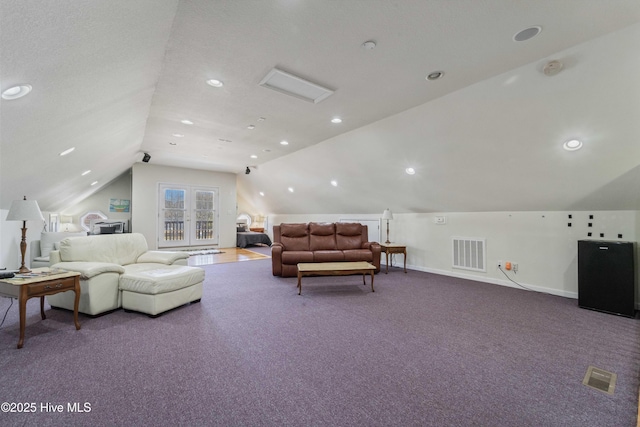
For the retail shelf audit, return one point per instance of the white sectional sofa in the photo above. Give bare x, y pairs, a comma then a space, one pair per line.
118, 270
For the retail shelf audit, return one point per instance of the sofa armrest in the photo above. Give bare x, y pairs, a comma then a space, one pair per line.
376, 250
54, 257
276, 258
88, 270
162, 257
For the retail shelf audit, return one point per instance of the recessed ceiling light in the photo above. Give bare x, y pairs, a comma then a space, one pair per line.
527, 33
178, 135
224, 140
215, 83
261, 119
284, 142
94, 183
173, 143
262, 193
186, 122
16, 92
253, 156
410, 171
435, 75
572, 145
290, 189
87, 172
67, 151
334, 183
266, 150
251, 127
336, 120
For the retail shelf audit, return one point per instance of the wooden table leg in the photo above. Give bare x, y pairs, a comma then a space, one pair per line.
76, 303
405, 260
42, 308
372, 290
22, 302
387, 254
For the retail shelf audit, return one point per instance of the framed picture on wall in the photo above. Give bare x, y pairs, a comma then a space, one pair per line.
119, 205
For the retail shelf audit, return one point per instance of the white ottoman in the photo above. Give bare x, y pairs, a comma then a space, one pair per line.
159, 288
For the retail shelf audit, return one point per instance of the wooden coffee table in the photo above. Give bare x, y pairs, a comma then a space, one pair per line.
44, 282
334, 269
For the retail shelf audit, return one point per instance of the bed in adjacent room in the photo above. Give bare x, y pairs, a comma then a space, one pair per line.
251, 238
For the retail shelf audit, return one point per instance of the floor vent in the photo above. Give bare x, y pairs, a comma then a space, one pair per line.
600, 380
469, 254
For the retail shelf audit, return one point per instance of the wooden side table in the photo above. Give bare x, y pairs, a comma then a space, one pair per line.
392, 248
43, 282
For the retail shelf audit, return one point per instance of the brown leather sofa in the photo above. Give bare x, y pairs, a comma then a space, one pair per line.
320, 242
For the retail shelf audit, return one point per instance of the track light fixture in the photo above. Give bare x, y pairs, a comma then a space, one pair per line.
247, 171
146, 157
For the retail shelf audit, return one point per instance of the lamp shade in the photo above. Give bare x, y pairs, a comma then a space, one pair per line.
387, 214
24, 210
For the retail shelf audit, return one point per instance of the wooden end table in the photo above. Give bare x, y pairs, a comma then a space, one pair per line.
44, 282
392, 248
334, 269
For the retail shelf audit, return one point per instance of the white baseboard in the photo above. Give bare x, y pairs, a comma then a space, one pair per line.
494, 281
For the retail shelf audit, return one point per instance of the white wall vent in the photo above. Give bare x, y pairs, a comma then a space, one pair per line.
469, 254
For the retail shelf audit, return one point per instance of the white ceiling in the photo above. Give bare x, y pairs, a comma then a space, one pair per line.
114, 78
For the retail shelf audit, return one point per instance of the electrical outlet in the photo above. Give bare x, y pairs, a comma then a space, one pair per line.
500, 264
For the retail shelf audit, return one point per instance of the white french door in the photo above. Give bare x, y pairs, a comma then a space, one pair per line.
187, 216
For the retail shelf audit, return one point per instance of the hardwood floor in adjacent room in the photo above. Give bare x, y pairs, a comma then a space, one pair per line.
227, 255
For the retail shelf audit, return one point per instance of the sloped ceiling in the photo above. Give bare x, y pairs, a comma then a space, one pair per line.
114, 79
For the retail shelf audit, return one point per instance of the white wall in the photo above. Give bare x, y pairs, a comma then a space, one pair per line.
145, 180
120, 188
11, 234
542, 243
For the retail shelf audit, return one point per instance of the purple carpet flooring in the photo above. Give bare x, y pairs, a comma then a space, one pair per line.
423, 350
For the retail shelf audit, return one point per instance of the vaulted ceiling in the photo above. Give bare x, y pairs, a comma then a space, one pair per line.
115, 79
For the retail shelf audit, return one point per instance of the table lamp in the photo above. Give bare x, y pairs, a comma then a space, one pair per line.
24, 210
66, 220
387, 214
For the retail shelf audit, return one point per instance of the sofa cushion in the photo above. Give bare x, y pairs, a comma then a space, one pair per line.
294, 230
358, 255
328, 256
294, 257
294, 237
322, 236
348, 235
88, 269
155, 279
48, 240
162, 257
122, 249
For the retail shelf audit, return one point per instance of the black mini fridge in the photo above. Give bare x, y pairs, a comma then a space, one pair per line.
606, 276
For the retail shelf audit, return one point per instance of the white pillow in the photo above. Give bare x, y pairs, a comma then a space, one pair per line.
46, 243
48, 240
